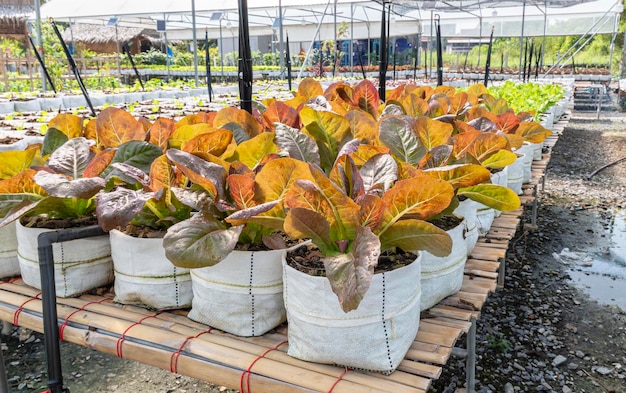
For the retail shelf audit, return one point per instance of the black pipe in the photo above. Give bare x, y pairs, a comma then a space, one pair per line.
488, 62
49, 300
538, 61
465, 62
207, 63
41, 63
415, 60
439, 52
70, 60
245, 58
395, 54
530, 60
358, 49
126, 50
384, 55
524, 62
502, 62
288, 62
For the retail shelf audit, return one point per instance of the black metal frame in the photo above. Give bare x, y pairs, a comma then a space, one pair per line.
49, 300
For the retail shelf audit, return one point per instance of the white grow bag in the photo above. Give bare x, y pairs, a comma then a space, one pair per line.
9, 265
375, 336
79, 265
527, 161
515, 175
143, 275
443, 276
242, 295
467, 210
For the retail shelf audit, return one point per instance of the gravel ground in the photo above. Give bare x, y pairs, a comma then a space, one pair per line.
539, 333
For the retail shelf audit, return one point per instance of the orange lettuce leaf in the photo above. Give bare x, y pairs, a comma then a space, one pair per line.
414, 105
215, 142
363, 126
197, 118
183, 134
99, 163
310, 88
115, 127
532, 132
365, 96
432, 132
243, 125
161, 131
70, 125
279, 112
241, 190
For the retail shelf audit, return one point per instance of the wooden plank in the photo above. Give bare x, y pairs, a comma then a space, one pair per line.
419, 368
453, 313
487, 253
430, 353
479, 264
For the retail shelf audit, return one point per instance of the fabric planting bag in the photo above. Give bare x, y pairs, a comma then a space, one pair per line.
144, 276
443, 276
242, 294
527, 160
515, 174
375, 336
79, 265
467, 210
9, 264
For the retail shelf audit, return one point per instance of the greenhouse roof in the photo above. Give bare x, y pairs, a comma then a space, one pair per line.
303, 18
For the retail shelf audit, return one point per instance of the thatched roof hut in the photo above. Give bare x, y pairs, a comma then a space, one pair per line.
13, 16
103, 39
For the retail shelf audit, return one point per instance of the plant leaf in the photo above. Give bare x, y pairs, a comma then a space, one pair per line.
379, 172
206, 174
276, 177
134, 153
365, 95
532, 132
241, 190
297, 144
485, 145
420, 197
70, 125
99, 163
302, 223
437, 156
116, 208
247, 126
329, 130
310, 88
460, 175
71, 158
199, 242
161, 131
346, 175
279, 112
115, 127
53, 139
492, 195
60, 186
15, 161
432, 132
350, 275
417, 235
363, 126
397, 133
500, 159
21, 186
215, 142
185, 133
252, 151
414, 105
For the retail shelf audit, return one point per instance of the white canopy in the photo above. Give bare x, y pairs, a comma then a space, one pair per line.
302, 18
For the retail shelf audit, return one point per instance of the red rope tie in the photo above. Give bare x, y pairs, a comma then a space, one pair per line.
67, 320
10, 281
175, 355
16, 316
339, 378
120, 341
246, 374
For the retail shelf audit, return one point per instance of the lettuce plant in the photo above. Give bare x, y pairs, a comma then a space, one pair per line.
355, 214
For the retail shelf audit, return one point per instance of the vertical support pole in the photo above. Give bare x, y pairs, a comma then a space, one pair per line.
335, 44
39, 42
545, 29
221, 50
501, 273
281, 43
117, 50
439, 53
521, 40
533, 219
384, 57
351, 49
195, 42
615, 26
245, 59
4, 384
470, 362
207, 65
600, 93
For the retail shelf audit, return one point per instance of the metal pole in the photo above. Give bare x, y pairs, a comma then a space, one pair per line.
195, 42
470, 363
245, 59
480, 37
384, 57
351, 40
167, 56
439, 53
281, 46
613, 42
40, 42
4, 384
308, 53
288, 55
336, 44
600, 93
488, 62
221, 49
126, 49
521, 40
207, 65
430, 46
117, 48
48, 298
545, 29
42, 64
